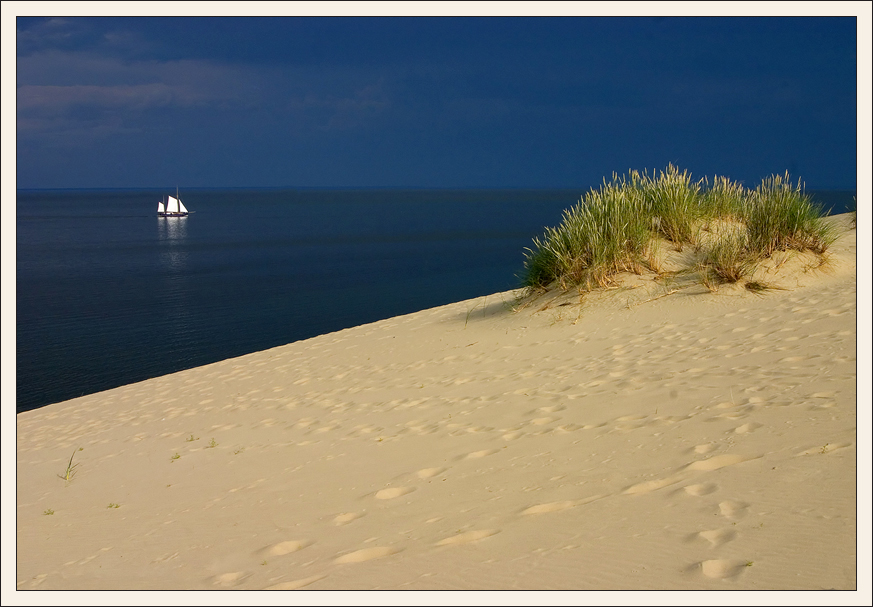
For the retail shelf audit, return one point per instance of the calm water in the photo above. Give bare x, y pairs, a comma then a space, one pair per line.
109, 294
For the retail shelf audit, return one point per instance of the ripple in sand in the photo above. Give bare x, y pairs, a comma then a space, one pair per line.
720, 461
367, 554
296, 583
468, 537
826, 448
653, 485
542, 421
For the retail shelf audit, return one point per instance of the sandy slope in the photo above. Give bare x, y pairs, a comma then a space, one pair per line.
694, 441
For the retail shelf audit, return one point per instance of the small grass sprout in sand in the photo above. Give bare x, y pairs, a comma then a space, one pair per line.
470, 311
212, 444
174, 457
71, 468
113, 505
191, 439
48, 512
757, 287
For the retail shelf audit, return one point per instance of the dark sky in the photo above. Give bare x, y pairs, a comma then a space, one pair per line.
431, 102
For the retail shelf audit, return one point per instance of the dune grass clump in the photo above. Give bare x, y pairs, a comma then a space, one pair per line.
617, 228
607, 232
673, 203
780, 216
724, 199
727, 260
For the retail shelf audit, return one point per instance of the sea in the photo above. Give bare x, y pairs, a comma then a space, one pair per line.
108, 293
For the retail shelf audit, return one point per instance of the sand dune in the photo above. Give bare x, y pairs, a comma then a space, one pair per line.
633, 441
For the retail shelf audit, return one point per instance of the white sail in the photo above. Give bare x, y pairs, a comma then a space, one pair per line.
182, 207
160, 207
172, 205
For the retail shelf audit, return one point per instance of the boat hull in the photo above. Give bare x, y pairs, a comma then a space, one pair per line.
172, 214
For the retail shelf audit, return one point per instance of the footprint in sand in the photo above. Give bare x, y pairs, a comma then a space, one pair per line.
733, 509
793, 359
367, 554
392, 492
478, 454
542, 421
701, 449
746, 428
701, 489
717, 537
723, 568
558, 506
468, 537
631, 418
288, 547
233, 578
348, 517
730, 415
429, 472
550, 507
296, 583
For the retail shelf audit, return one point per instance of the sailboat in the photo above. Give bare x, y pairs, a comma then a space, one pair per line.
173, 208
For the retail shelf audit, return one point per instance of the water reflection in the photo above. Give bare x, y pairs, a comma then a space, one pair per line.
172, 228
176, 287
172, 233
